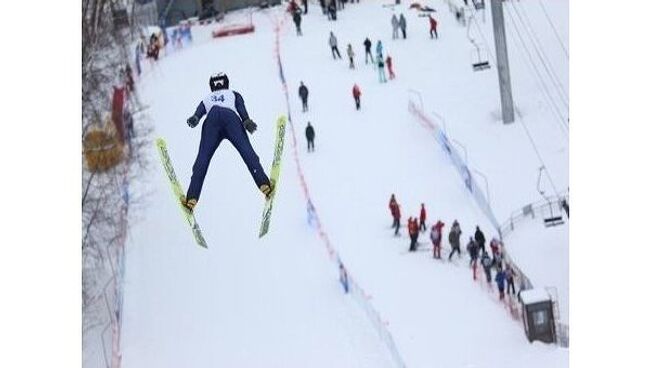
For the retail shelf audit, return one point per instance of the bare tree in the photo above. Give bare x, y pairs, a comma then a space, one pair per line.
107, 46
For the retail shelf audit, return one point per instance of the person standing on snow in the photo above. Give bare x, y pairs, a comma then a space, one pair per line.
334, 46
303, 92
495, 245
392, 203
454, 239
510, 279
500, 279
402, 24
226, 118
310, 134
395, 23
368, 46
379, 50
382, 73
389, 64
423, 218
480, 238
323, 6
331, 10
436, 238
297, 19
486, 262
413, 233
472, 249
356, 93
433, 27
351, 56
396, 219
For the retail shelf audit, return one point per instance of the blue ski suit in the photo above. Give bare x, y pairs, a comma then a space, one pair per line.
225, 112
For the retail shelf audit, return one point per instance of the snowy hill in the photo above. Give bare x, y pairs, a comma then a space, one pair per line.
277, 302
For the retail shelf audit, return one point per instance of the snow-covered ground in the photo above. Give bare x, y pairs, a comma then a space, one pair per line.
277, 302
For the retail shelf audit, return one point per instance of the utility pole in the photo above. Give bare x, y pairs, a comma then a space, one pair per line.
507, 107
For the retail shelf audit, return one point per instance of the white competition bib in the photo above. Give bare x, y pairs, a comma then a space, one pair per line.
222, 98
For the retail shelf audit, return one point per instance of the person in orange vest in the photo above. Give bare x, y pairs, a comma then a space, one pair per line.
356, 93
389, 64
423, 218
433, 27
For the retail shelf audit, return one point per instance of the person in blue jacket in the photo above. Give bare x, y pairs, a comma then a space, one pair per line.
226, 118
500, 279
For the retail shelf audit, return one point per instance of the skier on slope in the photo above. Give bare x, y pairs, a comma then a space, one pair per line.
226, 118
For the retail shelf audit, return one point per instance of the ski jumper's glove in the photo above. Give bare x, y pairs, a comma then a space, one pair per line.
250, 125
192, 121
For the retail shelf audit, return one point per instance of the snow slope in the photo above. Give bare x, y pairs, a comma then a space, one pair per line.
277, 302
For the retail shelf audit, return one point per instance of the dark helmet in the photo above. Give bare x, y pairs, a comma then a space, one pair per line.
218, 81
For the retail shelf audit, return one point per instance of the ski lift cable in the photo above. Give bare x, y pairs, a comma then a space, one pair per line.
547, 94
539, 50
558, 115
557, 35
541, 80
536, 149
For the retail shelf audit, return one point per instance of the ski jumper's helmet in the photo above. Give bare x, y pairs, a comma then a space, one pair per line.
218, 81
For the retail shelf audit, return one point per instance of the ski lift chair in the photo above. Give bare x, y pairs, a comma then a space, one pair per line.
480, 63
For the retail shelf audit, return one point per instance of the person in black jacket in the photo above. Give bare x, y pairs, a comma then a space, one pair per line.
368, 45
480, 239
297, 19
311, 134
303, 92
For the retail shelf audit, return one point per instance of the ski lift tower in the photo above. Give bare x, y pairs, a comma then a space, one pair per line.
507, 108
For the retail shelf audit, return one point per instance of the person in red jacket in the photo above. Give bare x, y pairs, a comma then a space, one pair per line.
423, 218
356, 93
433, 27
396, 219
413, 233
392, 203
389, 64
436, 238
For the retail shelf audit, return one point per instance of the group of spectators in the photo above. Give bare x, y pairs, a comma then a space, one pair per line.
492, 261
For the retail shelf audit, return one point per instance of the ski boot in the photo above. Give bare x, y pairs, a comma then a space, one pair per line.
267, 189
188, 204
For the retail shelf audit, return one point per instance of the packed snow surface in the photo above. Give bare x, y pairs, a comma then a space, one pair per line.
277, 302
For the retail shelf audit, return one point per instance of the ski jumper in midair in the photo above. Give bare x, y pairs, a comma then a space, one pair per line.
226, 118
